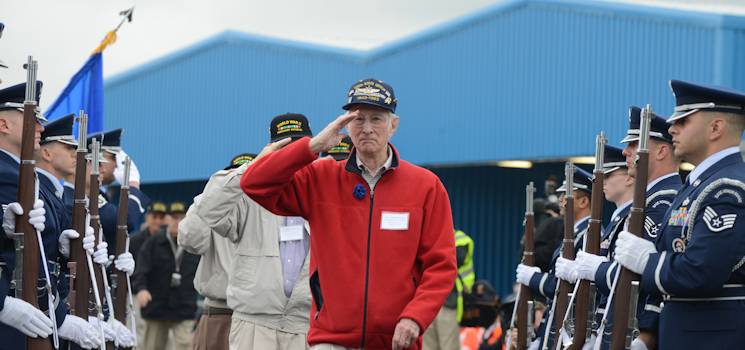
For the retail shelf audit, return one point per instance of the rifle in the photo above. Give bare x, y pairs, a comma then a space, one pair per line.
623, 320
120, 280
29, 249
95, 223
80, 289
523, 311
567, 252
585, 295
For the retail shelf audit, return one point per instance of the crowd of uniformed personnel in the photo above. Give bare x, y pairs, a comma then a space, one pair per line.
690, 250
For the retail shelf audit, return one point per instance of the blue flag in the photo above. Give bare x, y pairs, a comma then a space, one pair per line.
83, 92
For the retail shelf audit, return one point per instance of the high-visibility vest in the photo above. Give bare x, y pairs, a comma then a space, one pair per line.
466, 276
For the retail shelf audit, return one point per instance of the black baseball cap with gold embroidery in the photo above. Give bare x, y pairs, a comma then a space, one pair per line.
157, 207
177, 208
341, 151
372, 92
292, 125
240, 159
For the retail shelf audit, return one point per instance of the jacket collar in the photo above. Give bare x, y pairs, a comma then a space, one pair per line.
728, 160
352, 167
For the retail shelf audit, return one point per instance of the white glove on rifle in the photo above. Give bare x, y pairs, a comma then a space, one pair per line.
525, 273
587, 265
35, 218
124, 338
24, 317
101, 255
638, 344
566, 270
89, 240
78, 331
125, 263
134, 174
67, 235
633, 252
108, 332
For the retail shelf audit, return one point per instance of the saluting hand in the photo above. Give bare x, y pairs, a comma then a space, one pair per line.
330, 136
271, 147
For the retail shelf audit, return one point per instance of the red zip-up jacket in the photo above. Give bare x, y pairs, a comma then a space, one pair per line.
366, 273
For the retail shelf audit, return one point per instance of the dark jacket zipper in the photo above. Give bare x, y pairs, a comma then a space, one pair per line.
367, 270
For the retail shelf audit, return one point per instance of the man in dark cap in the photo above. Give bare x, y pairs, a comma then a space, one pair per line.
380, 268
696, 261
545, 283
18, 318
341, 151
164, 283
267, 285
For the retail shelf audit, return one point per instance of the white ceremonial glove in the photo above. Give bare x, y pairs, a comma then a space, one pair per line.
633, 252
125, 263
35, 218
590, 344
566, 270
89, 240
78, 331
587, 265
134, 174
525, 273
124, 337
638, 344
24, 317
64, 241
101, 255
108, 332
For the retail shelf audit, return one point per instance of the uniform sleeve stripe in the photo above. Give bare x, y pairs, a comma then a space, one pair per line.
657, 271
540, 285
139, 204
653, 308
609, 274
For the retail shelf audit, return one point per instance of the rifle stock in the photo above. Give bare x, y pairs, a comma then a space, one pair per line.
619, 337
592, 245
525, 295
80, 291
567, 252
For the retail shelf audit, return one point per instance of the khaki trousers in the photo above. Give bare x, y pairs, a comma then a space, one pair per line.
444, 332
245, 335
156, 334
212, 332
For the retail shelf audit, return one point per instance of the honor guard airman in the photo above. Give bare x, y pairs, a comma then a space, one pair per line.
696, 261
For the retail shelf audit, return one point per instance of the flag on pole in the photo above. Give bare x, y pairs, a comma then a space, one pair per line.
85, 89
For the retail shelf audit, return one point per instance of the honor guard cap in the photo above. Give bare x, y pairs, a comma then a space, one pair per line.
292, 125
613, 159
582, 181
691, 98
59, 130
157, 207
111, 141
177, 208
372, 92
341, 151
14, 96
657, 127
240, 159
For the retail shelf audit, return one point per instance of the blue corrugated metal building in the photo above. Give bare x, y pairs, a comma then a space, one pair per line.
524, 79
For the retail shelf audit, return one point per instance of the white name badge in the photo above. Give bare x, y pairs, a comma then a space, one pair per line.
394, 221
291, 233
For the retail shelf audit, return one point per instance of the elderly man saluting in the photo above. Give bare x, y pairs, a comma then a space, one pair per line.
382, 249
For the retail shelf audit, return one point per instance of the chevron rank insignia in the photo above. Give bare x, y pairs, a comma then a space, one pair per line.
716, 222
650, 227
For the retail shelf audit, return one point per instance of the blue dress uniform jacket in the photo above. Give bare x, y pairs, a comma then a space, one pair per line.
699, 265
659, 198
545, 283
11, 338
108, 212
